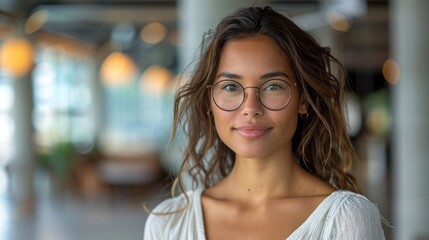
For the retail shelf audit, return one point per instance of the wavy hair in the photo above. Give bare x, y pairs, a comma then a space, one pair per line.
320, 144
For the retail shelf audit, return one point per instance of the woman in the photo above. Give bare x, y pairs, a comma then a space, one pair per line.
263, 113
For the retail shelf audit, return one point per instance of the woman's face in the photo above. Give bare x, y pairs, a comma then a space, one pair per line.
252, 130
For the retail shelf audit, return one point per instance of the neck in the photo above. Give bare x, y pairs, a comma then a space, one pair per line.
255, 180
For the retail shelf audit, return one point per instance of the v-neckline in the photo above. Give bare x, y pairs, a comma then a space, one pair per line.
296, 233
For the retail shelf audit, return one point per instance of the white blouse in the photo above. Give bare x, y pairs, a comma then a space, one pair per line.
341, 215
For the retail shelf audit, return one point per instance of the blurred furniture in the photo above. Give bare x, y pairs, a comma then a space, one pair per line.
113, 176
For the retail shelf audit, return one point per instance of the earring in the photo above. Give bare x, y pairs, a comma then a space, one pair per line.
304, 115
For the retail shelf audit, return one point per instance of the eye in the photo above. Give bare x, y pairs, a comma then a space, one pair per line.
273, 87
230, 87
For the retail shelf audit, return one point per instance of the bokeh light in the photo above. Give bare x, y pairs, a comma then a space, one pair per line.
155, 79
338, 21
36, 21
391, 71
118, 69
16, 56
153, 33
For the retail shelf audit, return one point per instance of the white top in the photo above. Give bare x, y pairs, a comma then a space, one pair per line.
341, 215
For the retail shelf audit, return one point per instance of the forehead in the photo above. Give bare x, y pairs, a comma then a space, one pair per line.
253, 55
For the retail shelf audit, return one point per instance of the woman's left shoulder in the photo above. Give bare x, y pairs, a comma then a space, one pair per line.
347, 202
355, 217
344, 198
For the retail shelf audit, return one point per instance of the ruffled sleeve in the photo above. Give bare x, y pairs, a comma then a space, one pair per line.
161, 221
152, 228
356, 218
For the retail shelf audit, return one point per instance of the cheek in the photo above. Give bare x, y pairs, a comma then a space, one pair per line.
287, 122
291, 125
218, 114
222, 121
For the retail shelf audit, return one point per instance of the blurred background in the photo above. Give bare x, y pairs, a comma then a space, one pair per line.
86, 90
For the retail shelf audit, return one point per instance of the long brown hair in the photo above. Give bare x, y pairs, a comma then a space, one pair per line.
320, 144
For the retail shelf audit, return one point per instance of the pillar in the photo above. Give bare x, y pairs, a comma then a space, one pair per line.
410, 38
21, 167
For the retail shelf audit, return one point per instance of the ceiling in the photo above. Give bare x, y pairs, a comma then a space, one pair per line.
92, 21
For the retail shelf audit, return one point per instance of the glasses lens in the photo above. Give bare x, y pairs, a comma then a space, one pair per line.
228, 95
275, 94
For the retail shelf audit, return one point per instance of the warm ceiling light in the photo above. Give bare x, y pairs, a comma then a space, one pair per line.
391, 71
16, 56
153, 33
338, 21
155, 79
36, 21
118, 69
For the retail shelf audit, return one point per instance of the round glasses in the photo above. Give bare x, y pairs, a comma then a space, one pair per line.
229, 95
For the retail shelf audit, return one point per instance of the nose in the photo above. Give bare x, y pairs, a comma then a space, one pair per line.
251, 105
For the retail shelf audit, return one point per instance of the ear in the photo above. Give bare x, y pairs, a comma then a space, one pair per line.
303, 104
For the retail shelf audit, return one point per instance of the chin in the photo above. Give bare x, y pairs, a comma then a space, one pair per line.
250, 153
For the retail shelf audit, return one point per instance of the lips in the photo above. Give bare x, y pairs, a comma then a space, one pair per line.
252, 131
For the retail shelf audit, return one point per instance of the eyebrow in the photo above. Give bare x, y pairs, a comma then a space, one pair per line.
263, 77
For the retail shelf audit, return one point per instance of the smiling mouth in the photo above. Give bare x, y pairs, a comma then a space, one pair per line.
252, 132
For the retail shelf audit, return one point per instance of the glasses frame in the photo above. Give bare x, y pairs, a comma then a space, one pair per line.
257, 94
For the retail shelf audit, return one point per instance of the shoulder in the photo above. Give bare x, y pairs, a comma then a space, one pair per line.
173, 204
168, 214
354, 217
350, 201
